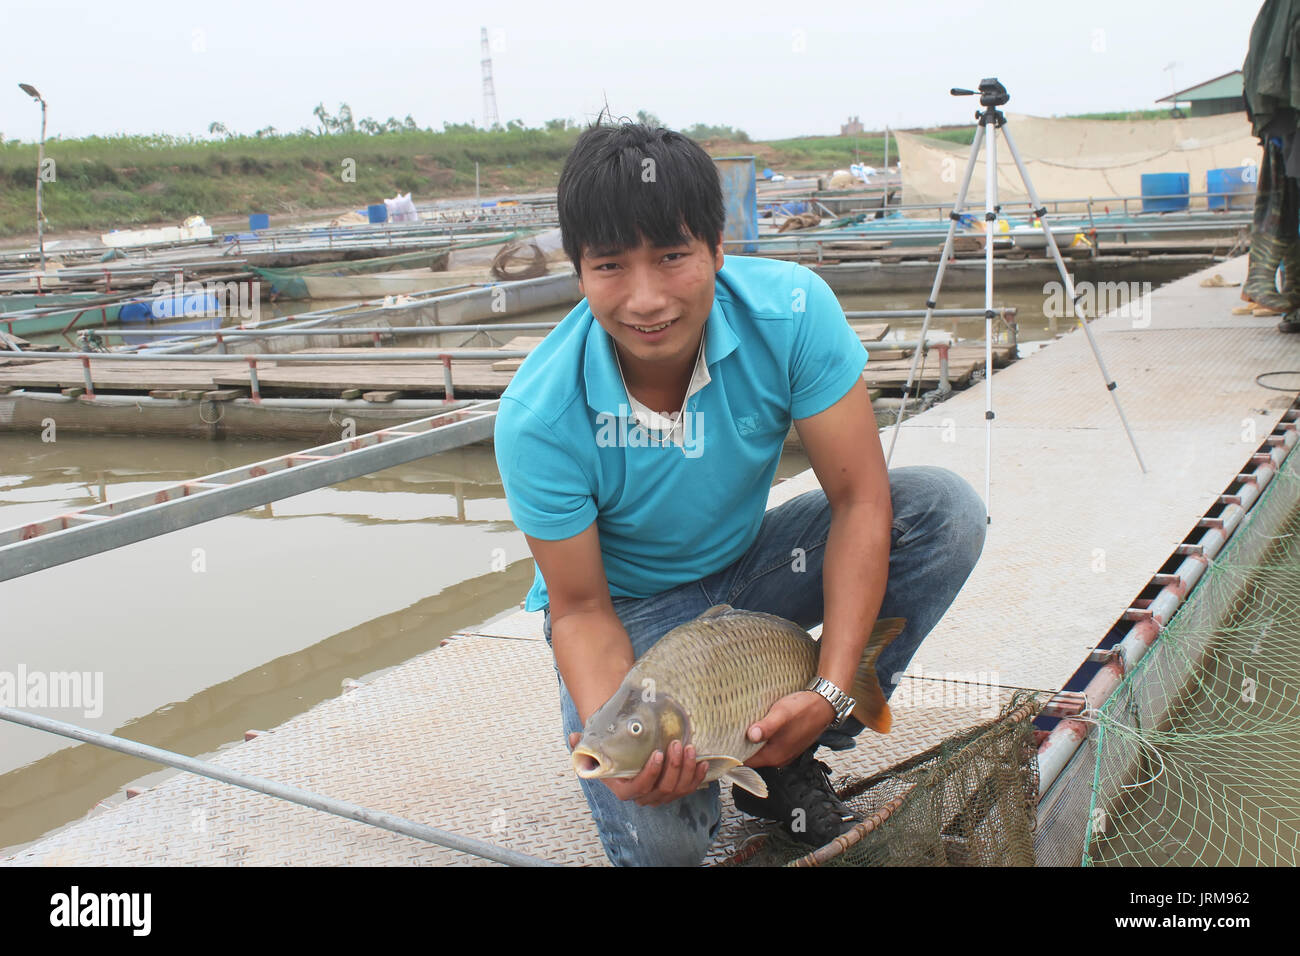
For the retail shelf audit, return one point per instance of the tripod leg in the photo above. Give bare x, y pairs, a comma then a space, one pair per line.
953, 218
990, 226
1041, 211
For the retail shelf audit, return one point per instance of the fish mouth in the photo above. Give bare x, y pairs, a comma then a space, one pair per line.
587, 763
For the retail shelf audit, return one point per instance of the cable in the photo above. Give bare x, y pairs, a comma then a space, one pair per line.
1274, 387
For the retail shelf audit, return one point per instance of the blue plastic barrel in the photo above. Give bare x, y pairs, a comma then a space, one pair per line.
1231, 188
259, 220
1165, 192
378, 212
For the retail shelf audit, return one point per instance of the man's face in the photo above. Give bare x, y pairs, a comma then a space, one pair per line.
647, 287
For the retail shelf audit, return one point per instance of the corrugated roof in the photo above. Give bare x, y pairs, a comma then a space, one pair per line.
1230, 84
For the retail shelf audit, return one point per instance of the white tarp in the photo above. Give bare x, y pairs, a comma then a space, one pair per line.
1069, 159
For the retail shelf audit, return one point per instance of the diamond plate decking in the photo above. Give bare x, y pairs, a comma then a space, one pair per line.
1077, 531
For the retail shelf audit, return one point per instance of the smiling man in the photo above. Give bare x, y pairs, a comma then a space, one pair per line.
637, 445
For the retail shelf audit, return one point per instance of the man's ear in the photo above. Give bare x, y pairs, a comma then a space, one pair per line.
719, 252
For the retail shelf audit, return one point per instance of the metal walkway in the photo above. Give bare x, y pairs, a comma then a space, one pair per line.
1077, 532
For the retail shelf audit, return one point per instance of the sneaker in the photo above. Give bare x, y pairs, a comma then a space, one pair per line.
801, 799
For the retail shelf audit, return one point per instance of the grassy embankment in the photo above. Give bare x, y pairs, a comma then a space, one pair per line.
121, 182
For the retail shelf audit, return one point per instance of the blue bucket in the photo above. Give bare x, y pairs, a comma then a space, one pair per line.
1165, 192
1232, 188
378, 212
258, 220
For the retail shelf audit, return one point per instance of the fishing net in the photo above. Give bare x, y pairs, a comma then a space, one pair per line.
521, 259
969, 801
1196, 759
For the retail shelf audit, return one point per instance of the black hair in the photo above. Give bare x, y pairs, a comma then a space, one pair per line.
628, 182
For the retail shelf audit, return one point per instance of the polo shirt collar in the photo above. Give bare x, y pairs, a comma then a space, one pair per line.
604, 385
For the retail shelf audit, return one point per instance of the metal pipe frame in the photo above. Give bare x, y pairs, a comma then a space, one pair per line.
1069, 734
272, 788
45, 544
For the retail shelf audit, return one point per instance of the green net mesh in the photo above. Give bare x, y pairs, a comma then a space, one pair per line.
1197, 759
969, 801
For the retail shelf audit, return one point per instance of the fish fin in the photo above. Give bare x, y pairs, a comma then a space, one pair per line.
739, 775
716, 611
747, 779
872, 708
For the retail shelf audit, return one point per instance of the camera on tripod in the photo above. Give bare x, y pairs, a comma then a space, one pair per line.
992, 92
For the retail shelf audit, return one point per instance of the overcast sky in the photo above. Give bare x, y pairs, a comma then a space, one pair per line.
774, 70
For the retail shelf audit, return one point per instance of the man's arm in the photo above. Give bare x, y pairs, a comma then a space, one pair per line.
843, 446
594, 654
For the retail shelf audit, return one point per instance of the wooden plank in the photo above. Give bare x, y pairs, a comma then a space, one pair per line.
381, 396
521, 343
869, 331
331, 379
224, 394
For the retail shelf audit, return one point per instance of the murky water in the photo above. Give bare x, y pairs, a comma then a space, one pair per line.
239, 623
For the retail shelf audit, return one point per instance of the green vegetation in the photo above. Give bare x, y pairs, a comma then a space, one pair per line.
1132, 116
116, 182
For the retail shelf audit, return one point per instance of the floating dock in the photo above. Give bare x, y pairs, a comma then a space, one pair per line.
1077, 532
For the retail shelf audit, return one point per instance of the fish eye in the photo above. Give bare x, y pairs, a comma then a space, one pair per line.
634, 727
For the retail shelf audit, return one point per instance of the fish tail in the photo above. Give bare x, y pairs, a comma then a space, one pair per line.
872, 708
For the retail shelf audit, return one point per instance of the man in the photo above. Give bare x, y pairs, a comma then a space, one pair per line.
637, 445
1271, 87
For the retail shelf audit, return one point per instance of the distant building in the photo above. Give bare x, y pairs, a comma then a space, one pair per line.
852, 128
1223, 94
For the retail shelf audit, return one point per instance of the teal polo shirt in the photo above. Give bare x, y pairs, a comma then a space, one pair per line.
570, 451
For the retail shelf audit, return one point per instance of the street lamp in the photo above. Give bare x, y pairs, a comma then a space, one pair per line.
40, 164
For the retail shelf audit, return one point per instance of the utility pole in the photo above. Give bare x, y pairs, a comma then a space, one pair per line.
489, 92
40, 170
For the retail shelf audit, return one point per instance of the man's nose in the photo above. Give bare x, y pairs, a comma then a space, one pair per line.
646, 293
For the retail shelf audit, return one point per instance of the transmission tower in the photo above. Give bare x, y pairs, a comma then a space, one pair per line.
489, 92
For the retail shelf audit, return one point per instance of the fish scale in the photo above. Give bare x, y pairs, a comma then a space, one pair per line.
706, 682
707, 666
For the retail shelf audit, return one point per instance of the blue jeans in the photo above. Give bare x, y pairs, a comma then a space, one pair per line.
937, 535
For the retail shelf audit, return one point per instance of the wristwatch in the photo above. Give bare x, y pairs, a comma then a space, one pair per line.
841, 701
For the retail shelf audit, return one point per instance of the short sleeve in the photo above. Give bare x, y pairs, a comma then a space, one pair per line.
549, 493
826, 357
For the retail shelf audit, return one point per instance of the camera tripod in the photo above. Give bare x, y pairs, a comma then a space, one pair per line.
990, 119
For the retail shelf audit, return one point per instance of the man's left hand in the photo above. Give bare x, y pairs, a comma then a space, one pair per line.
789, 728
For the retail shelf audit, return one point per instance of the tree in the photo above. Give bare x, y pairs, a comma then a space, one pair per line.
648, 118
326, 121
218, 129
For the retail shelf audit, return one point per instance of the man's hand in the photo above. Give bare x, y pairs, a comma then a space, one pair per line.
662, 779
789, 728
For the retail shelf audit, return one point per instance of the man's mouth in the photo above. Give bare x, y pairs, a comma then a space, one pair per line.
651, 329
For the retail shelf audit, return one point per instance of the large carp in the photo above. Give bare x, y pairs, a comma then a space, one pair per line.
706, 682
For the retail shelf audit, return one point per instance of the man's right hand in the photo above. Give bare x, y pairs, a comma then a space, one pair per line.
663, 779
